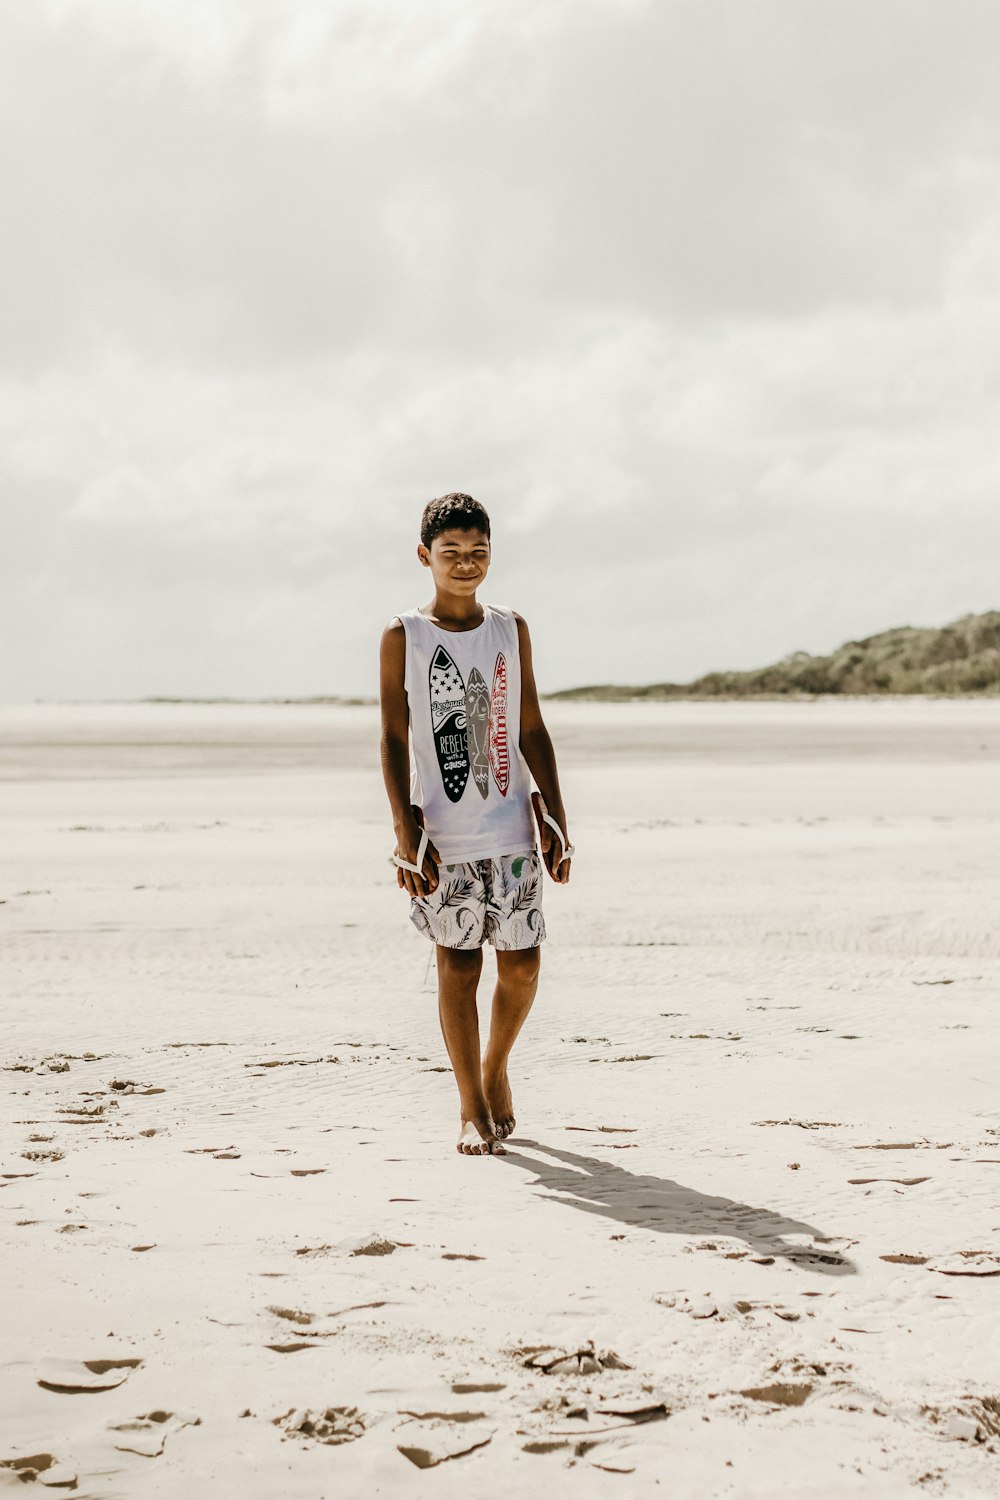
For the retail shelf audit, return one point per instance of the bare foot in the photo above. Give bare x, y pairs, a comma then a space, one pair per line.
479, 1137
497, 1090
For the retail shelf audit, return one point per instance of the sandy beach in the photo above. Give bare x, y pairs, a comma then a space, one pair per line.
746, 1238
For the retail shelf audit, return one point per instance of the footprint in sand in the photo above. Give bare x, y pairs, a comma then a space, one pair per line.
444, 1416
293, 1315
42, 1467
782, 1393
199, 1044
967, 1263
902, 1181
977, 1421
82, 1114
803, 1124
706, 1036
291, 1062
147, 1434
583, 1361
330, 1425
620, 1465
375, 1244
724, 1308
629, 1058
813, 1250
695, 1307
294, 1171
601, 1425
313, 1327
901, 1146
440, 1437
72, 1377
748, 1306
731, 1250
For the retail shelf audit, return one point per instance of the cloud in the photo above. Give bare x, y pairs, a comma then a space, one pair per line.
332, 63
642, 479
510, 165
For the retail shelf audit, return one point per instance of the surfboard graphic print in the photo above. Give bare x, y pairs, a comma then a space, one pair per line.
477, 713
448, 723
499, 755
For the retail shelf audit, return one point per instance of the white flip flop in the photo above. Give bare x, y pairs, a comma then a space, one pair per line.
404, 864
543, 815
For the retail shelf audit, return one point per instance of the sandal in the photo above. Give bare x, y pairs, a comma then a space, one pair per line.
404, 864
542, 816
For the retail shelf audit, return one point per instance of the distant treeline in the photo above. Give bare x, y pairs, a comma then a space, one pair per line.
963, 657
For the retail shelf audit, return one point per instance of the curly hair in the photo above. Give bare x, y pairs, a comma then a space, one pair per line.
454, 510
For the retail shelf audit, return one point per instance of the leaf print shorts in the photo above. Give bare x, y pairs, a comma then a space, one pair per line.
496, 900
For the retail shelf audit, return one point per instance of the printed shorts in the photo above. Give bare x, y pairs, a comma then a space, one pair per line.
496, 900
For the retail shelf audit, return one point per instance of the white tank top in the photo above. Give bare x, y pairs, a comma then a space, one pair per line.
467, 771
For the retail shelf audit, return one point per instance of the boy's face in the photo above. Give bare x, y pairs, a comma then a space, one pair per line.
459, 560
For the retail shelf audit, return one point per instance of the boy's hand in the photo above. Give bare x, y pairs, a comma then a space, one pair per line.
407, 847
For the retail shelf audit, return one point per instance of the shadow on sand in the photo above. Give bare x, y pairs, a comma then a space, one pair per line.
658, 1203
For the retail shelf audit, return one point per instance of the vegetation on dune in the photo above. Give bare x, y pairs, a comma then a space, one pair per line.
963, 657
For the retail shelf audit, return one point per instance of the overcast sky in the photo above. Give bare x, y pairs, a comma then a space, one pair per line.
701, 298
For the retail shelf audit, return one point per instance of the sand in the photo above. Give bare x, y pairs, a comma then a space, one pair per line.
746, 1240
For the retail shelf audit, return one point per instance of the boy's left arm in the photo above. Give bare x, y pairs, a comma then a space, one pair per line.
536, 747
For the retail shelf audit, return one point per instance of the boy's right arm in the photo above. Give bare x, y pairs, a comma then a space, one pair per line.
396, 762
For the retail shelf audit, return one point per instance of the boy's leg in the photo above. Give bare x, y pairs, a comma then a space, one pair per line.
517, 981
458, 976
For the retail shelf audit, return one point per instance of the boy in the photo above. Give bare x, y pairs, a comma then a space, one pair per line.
458, 693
